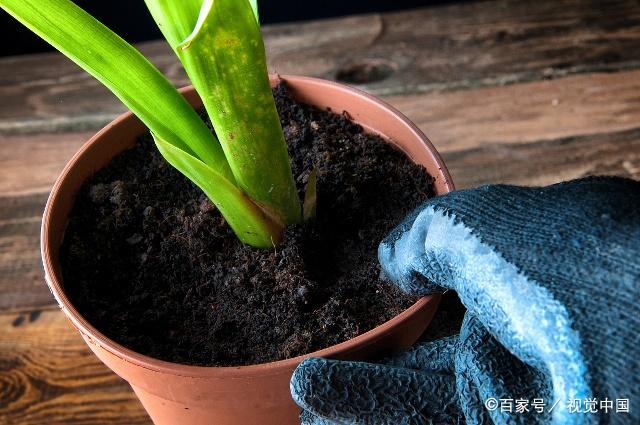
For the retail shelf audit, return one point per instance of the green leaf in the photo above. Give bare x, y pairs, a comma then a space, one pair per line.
225, 59
175, 19
122, 69
247, 220
254, 6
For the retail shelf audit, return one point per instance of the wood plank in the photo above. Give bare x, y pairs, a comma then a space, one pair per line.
522, 113
49, 376
47, 92
31, 163
548, 161
453, 120
431, 49
21, 275
466, 45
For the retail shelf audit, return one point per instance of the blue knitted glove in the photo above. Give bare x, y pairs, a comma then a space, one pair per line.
549, 277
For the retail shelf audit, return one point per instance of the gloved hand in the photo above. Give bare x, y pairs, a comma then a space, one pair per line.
549, 277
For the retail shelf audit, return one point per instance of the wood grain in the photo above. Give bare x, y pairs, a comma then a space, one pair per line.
434, 49
509, 91
49, 376
467, 45
31, 163
523, 113
548, 161
21, 275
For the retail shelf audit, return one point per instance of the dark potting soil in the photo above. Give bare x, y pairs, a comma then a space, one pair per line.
149, 261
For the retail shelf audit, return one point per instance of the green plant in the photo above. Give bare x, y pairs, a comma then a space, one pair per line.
245, 170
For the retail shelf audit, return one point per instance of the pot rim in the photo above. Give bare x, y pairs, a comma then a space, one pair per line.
95, 337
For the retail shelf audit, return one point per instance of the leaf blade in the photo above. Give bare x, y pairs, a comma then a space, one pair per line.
225, 59
124, 71
247, 220
176, 20
254, 6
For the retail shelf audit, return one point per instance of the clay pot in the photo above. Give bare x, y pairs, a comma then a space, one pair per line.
258, 394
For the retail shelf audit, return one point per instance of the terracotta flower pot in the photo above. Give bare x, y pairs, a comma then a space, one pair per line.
258, 394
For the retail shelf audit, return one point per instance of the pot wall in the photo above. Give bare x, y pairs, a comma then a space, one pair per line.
259, 394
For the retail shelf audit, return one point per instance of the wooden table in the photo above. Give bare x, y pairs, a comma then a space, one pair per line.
509, 91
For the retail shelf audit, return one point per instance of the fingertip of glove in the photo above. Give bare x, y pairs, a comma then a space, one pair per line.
309, 373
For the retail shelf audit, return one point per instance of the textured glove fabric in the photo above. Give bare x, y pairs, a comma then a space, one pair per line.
398, 393
549, 277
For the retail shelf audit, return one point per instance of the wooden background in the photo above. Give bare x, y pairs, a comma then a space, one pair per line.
508, 91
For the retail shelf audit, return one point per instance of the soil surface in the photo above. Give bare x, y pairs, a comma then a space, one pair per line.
149, 261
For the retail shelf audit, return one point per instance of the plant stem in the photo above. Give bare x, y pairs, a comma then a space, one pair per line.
225, 59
